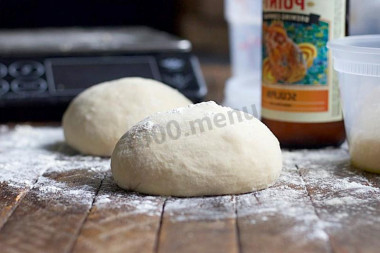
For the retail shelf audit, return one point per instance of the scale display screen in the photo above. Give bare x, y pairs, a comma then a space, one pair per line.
67, 75
41, 75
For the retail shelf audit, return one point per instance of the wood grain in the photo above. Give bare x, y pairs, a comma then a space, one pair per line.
319, 204
344, 199
199, 225
10, 197
16, 176
120, 222
280, 219
51, 223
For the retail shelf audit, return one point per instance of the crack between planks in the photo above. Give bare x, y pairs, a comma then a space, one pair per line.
257, 199
237, 229
331, 249
24, 192
22, 196
158, 233
76, 235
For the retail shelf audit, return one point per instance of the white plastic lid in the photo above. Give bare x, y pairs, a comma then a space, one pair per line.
358, 55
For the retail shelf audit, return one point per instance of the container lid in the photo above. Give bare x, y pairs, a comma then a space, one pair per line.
358, 55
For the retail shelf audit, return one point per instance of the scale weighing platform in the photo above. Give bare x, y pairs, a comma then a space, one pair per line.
42, 70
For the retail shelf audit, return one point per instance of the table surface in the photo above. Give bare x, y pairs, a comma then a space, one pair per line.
54, 200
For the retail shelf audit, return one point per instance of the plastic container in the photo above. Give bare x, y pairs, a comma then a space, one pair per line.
357, 61
243, 94
244, 20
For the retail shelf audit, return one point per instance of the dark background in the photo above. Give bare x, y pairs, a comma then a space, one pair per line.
46, 13
201, 21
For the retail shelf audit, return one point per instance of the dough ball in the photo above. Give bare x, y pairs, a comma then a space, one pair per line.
202, 149
97, 118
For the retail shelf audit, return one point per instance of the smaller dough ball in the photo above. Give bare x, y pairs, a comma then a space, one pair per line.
202, 149
97, 118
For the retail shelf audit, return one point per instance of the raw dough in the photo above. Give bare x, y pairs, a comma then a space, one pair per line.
99, 116
169, 154
364, 134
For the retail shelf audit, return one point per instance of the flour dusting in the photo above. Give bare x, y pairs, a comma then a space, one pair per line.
209, 208
31, 156
317, 193
110, 197
287, 202
132, 204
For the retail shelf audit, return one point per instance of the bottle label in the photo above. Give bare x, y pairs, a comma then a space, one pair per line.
299, 83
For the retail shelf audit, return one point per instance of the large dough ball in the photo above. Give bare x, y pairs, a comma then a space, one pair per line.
97, 118
201, 149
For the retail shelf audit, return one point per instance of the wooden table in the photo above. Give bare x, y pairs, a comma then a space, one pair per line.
55, 200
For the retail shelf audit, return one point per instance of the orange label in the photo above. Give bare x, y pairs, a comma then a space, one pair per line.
299, 83
293, 100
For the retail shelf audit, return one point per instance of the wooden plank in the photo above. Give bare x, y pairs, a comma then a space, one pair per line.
18, 175
346, 201
199, 225
10, 197
281, 218
320, 204
120, 222
51, 214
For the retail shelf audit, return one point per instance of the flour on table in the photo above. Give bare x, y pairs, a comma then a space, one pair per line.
132, 204
208, 208
28, 137
289, 200
29, 154
111, 197
338, 192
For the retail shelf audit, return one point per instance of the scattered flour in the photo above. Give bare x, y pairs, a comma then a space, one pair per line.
130, 204
111, 197
208, 208
28, 137
102, 200
30, 157
338, 192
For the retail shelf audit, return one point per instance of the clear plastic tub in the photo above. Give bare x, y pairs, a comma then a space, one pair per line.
357, 61
243, 94
244, 20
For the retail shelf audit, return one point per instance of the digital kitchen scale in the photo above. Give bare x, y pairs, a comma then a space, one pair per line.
42, 70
